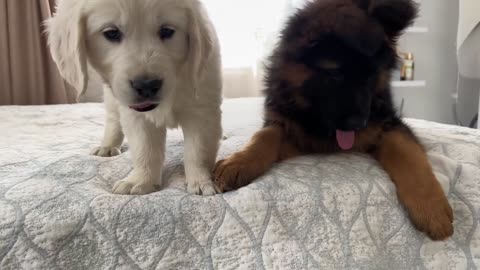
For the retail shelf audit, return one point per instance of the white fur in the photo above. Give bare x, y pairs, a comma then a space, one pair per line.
189, 65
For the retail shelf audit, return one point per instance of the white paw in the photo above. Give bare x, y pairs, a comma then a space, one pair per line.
132, 186
106, 151
206, 188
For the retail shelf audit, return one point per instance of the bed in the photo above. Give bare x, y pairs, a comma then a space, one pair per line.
315, 212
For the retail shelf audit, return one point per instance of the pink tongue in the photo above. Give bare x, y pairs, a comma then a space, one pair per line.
140, 106
345, 139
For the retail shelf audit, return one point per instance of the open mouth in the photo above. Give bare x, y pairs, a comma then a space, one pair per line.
143, 107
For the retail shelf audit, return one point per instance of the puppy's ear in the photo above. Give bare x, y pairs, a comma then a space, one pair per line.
360, 33
200, 43
394, 15
67, 43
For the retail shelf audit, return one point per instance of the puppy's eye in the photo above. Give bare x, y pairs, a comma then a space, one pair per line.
166, 32
112, 34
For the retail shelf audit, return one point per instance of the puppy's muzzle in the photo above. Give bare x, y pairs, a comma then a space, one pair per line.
354, 123
146, 88
147, 91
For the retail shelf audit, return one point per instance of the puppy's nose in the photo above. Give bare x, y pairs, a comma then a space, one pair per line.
146, 88
354, 123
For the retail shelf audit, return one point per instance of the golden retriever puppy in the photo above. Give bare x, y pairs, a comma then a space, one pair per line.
160, 65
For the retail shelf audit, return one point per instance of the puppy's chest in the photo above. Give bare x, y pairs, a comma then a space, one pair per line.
169, 120
310, 143
297, 134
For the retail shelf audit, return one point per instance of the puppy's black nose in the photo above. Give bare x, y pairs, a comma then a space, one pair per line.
353, 123
146, 88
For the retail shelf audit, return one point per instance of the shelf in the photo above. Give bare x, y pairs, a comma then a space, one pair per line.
409, 83
417, 29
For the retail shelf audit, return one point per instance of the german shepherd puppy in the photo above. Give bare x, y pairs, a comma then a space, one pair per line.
328, 90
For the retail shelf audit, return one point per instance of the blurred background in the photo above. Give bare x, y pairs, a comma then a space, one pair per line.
438, 79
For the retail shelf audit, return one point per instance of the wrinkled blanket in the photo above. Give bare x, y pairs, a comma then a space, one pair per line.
317, 212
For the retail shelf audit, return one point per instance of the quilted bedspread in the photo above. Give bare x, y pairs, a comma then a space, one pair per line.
316, 212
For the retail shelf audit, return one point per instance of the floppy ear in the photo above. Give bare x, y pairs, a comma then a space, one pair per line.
360, 33
394, 15
200, 43
67, 44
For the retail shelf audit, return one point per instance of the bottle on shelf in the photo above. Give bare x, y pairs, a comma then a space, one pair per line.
408, 67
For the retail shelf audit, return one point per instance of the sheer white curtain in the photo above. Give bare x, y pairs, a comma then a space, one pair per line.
248, 29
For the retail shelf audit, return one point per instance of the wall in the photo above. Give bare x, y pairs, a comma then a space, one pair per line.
435, 59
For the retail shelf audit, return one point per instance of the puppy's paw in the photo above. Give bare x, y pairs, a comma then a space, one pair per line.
132, 186
105, 151
434, 216
233, 172
206, 188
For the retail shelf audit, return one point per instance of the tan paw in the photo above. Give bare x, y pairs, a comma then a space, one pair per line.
234, 172
434, 216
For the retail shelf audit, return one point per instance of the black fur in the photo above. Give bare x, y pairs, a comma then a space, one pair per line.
359, 36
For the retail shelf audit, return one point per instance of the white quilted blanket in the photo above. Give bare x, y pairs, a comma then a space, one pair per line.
322, 212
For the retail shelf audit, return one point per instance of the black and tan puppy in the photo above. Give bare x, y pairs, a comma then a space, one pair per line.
328, 90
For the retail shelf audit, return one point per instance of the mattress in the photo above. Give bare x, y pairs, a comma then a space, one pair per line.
314, 212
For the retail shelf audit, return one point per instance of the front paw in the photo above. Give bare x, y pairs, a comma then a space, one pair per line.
206, 188
106, 151
434, 216
133, 186
233, 172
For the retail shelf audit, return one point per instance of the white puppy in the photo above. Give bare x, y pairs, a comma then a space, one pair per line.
160, 64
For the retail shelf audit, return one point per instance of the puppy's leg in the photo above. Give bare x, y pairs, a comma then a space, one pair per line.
202, 138
417, 188
147, 145
113, 136
265, 148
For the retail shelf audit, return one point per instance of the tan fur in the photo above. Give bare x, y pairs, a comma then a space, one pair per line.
265, 148
383, 81
296, 74
406, 163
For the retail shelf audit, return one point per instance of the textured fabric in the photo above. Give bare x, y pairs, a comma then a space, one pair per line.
317, 212
28, 75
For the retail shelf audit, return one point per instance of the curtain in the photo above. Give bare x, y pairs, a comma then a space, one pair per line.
248, 31
28, 75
